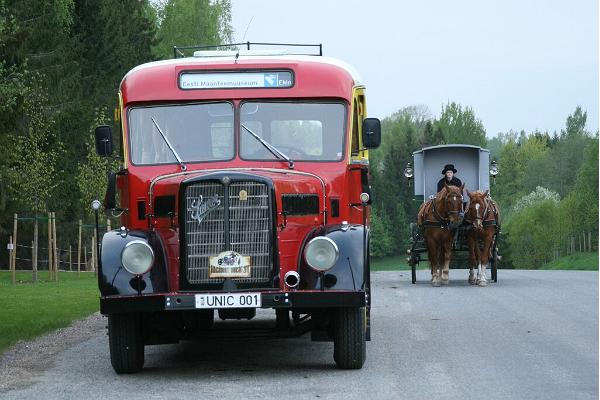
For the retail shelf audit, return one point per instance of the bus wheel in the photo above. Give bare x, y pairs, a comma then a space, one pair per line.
126, 343
349, 337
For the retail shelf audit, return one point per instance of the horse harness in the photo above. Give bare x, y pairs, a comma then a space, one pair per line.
490, 205
442, 223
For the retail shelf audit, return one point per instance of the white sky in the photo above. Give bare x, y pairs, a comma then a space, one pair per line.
520, 64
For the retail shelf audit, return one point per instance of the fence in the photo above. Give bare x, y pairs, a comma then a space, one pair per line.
24, 256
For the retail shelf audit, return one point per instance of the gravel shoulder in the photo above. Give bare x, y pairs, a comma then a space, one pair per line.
22, 363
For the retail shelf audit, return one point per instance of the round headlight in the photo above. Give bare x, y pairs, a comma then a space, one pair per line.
321, 253
137, 257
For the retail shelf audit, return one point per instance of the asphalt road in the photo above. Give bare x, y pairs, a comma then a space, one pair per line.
532, 335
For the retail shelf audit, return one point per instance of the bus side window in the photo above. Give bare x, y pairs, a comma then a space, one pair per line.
355, 134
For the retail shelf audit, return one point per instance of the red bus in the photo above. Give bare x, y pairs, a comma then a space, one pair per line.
244, 186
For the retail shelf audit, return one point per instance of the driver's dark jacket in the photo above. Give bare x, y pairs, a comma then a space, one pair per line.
454, 182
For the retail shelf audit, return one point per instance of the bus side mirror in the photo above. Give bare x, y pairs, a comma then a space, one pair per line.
104, 144
371, 133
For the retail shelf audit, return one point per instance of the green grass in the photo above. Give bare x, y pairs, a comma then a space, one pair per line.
578, 261
30, 309
396, 263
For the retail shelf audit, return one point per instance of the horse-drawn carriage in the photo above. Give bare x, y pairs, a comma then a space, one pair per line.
456, 225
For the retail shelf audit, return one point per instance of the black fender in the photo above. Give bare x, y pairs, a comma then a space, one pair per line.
114, 279
348, 271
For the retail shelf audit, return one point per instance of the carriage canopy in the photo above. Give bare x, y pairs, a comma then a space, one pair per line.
471, 162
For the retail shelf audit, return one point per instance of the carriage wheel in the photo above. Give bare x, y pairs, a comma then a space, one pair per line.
414, 237
495, 265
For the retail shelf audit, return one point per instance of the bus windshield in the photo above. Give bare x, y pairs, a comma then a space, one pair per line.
306, 131
187, 133
197, 132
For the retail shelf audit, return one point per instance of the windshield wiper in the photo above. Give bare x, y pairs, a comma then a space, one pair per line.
181, 163
277, 153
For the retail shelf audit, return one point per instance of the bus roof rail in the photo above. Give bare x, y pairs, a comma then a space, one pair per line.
204, 50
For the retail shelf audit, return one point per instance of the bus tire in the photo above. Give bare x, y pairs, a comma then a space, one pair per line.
349, 337
126, 343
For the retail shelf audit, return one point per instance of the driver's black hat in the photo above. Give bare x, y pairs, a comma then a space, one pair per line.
448, 167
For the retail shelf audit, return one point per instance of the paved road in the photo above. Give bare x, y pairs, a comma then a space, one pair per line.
533, 335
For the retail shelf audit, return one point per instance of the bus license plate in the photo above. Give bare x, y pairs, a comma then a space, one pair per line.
228, 300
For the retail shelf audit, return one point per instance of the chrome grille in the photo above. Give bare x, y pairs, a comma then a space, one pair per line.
248, 226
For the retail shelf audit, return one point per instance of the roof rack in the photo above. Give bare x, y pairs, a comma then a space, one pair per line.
179, 51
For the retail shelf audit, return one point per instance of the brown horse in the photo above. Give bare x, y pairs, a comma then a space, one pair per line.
439, 218
483, 215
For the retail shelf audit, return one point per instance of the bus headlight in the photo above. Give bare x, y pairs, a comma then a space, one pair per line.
137, 257
321, 253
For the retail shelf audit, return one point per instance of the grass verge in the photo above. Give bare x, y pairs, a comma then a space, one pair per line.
396, 263
32, 309
577, 261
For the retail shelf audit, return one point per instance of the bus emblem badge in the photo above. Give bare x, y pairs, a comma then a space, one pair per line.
200, 208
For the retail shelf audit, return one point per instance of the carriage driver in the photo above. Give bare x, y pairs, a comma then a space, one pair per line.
449, 177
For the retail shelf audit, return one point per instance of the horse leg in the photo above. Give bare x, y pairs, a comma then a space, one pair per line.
472, 260
478, 258
445, 256
485, 258
433, 254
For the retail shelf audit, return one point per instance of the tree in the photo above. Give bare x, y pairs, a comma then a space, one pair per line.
36, 152
566, 153
517, 156
191, 22
539, 195
533, 234
380, 239
576, 123
581, 204
459, 125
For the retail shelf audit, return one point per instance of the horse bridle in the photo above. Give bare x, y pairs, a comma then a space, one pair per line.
486, 211
460, 212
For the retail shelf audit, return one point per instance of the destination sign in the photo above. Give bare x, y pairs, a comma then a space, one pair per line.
236, 80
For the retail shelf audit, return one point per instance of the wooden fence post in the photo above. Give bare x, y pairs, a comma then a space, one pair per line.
79, 251
108, 227
55, 246
14, 253
85, 256
70, 260
50, 246
10, 261
33, 263
34, 249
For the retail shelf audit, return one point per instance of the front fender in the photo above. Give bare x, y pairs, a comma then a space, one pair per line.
348, 271
114, 279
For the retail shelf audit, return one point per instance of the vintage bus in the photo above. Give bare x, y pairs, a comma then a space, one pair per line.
243, 186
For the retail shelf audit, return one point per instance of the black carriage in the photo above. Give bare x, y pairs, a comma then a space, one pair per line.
475, 170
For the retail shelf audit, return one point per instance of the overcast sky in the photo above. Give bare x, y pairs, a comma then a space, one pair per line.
519, 64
